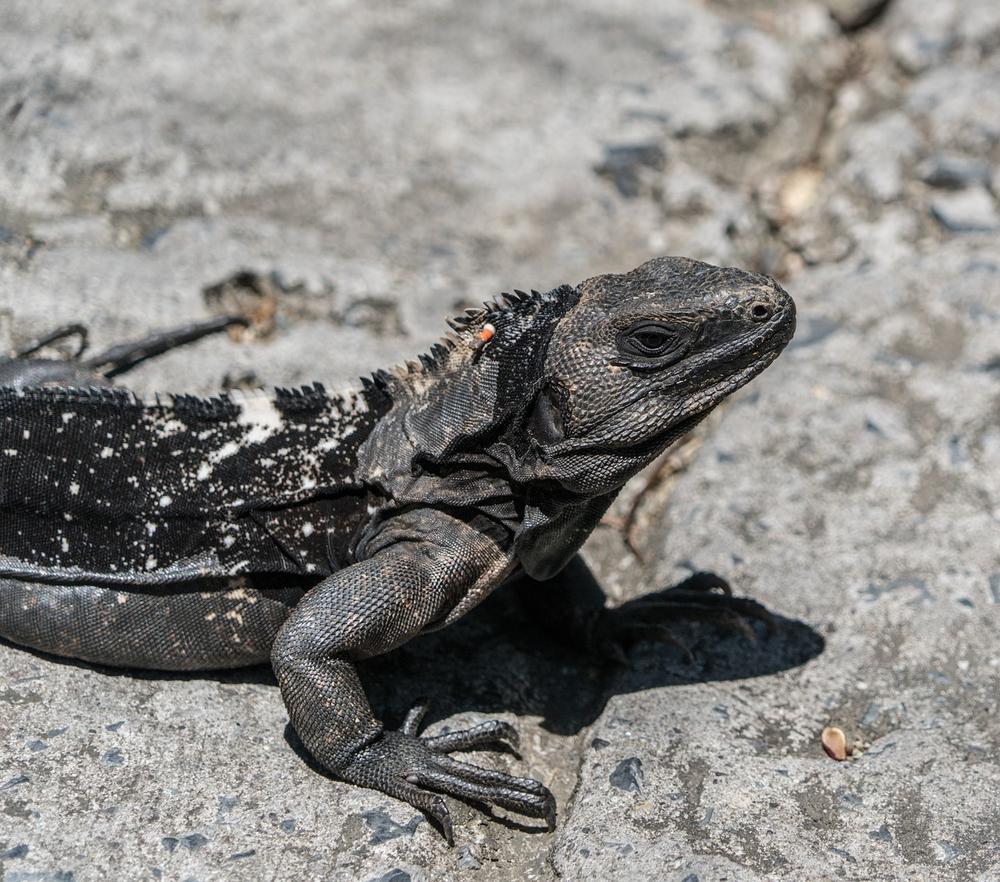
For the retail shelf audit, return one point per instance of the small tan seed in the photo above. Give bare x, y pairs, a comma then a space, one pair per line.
834, 743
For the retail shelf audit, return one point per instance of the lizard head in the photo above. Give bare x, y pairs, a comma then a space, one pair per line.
557, 399
643, 356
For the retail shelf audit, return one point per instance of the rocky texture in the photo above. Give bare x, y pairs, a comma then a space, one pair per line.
352, 172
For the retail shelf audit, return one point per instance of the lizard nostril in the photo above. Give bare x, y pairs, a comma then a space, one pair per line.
760, 311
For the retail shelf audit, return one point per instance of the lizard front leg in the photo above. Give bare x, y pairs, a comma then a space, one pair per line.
428, 569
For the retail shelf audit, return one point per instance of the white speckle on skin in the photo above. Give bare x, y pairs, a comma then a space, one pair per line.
150, 527
65, 544
308, 483
210, 617
26, 434
106, 452
121, 597
170, 427
228, 541
10, 452
165, 501
74, 489
261, 416
66, 417
307, 529
204, 470
225, 451
151, 563
235, 616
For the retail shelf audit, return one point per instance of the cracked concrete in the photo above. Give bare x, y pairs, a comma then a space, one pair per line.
358, 171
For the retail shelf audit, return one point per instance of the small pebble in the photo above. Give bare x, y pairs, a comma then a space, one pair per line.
834, 743
467, 860
627, 775
966, 211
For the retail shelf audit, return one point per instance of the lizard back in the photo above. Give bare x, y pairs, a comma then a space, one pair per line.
97, 484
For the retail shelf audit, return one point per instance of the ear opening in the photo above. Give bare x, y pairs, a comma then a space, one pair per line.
546, 422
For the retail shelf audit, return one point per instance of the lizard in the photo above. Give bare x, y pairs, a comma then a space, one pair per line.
316, 530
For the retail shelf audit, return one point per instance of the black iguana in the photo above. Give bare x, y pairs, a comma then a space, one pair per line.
317, 529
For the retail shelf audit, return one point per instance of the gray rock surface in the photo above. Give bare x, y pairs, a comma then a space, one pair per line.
968, 211
366, 169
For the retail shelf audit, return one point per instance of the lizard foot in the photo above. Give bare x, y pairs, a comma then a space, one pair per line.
701, 597
416, 768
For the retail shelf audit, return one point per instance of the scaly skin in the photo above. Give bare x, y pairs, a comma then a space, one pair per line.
319, 530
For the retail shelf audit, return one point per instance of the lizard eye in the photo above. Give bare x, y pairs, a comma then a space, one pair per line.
653, 340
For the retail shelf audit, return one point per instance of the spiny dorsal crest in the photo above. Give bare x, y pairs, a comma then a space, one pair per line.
304, 400
471, 333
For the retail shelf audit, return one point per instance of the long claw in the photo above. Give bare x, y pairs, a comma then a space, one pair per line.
430, 804
439, 811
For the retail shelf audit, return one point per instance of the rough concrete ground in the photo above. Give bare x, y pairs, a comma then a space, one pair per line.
379, 165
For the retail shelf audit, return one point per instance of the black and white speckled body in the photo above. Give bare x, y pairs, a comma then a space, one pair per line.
319, 529
101, 485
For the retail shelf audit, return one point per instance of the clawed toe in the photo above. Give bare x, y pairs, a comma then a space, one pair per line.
414, 717
430, 804
417, 768
491, 734
439, 811
520, 795
453, 777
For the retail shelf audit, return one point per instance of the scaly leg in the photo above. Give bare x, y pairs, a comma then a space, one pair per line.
416, 580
